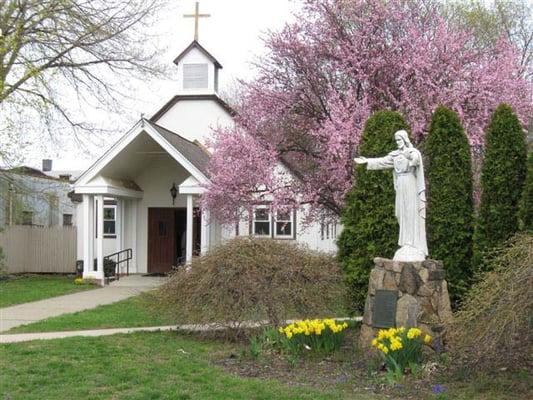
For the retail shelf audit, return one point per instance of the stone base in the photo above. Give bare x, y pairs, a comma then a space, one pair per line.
423, 299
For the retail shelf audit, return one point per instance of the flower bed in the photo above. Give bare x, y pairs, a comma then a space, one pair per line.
318, 335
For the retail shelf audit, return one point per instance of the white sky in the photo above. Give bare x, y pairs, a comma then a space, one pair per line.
232, 34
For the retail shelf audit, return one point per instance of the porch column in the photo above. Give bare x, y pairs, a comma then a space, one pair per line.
204, 234
118, 225
88, 236
122, 218
188, 247
119, 232
100, 238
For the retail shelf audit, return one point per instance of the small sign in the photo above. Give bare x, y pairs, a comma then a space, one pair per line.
384, 315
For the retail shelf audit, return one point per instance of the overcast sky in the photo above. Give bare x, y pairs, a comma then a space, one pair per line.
232, 34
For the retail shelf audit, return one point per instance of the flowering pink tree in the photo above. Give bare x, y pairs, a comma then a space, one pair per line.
325, 74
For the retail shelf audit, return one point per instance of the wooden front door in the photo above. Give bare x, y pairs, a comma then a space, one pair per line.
162, 241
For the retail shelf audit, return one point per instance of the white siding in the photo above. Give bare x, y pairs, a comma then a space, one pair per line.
195, 119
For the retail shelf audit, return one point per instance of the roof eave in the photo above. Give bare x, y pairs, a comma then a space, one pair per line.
195, 44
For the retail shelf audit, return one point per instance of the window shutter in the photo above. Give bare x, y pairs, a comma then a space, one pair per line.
195, 76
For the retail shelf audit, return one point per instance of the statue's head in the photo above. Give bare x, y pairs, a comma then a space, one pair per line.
402, 139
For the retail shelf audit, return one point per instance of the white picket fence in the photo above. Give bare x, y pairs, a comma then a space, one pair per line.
39, 249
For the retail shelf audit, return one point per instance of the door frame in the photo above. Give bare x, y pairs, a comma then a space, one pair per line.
149, 268
197, 220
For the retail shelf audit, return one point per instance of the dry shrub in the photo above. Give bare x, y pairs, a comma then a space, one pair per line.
494, 326
249, 279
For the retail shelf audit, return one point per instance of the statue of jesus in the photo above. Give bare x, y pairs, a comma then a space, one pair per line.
410, 207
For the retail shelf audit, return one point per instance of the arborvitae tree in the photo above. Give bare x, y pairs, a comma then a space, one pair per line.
526, 205
502, 180
450, 216
370, 228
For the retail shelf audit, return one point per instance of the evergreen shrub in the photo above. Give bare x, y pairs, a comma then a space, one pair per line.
370, 228
502, 180
526, 205
450, 215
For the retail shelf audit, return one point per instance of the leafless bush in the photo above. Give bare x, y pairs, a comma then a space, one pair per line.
494, 326
255, 279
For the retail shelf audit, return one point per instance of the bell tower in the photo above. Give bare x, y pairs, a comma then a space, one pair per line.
198, 70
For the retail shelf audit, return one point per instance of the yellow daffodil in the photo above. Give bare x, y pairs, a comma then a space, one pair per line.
413, 333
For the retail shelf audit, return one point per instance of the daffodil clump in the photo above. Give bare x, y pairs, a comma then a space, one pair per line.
400, 347
316, 335
79, 281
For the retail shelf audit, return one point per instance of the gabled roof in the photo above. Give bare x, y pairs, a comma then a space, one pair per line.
195, 44
190, 155
180, 97
194, 152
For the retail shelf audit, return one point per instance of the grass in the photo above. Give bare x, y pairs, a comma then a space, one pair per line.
28, 288
165, 365
129, 313
136, 366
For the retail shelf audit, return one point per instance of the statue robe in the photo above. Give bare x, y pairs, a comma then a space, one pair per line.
410, 206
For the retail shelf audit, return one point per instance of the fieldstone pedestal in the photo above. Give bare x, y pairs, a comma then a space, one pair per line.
422, 297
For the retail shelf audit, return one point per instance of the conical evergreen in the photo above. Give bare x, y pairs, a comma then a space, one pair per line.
526, 205
502, 180
450, 216
370, 228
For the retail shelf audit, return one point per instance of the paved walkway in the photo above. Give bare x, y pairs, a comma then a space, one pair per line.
25, 337
26, 313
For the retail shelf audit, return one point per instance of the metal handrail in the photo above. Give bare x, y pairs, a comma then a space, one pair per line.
129, 256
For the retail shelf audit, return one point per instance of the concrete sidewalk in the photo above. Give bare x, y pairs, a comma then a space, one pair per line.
25, 337
26, 313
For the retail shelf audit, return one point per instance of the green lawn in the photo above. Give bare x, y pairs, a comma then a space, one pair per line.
132, 312
37, 287
135, 366
164, 365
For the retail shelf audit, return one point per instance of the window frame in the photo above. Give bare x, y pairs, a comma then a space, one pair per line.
254, 220
272, 222
69, 216
114, 234
292, 220
24, 221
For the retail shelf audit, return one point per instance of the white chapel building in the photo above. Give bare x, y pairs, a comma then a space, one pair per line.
140, 199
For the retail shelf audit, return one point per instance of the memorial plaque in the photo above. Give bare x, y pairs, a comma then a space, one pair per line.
384, 315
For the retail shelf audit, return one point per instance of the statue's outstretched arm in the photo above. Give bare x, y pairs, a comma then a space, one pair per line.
386, 162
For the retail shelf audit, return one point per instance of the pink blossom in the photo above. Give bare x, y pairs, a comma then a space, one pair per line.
322, 78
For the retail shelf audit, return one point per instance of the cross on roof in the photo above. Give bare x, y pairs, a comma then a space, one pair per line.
196, 16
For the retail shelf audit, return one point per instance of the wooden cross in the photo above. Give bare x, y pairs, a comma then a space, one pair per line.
196, 16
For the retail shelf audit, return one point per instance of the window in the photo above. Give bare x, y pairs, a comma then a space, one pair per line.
67, 219
109, 220
261, 222
284, 225
195, 76
27, 217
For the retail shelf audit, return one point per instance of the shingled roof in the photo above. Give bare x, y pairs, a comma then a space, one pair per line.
194, 152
